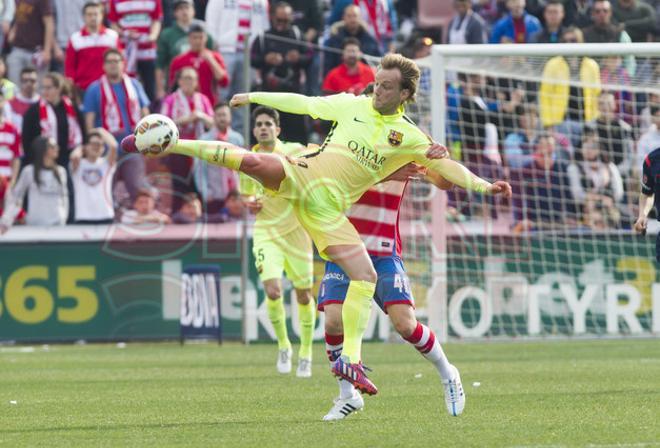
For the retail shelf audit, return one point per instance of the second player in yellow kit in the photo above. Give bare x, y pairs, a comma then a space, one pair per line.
281, 245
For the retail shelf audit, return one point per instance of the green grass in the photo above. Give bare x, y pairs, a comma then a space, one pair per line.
576, 393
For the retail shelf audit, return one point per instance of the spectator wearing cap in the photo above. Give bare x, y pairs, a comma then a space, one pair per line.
230, 22
84, 52
466, 27
353, 75
281, 55
116, 102
144, 210
636, 17
32, 37
553, 15
207, 63
516, 27
138, 24
174, 40
351, 25
25, 97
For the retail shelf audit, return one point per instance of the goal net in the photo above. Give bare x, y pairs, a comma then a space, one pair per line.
568, 125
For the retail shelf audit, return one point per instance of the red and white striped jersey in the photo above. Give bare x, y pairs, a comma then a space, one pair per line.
137, 15
84, 55
10, 147
376, 218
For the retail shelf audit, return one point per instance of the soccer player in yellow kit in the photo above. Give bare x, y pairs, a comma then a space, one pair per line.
280, 244
369, 140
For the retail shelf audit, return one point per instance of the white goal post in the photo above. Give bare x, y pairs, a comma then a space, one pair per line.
496, 272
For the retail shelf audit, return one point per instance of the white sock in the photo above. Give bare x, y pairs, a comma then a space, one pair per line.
346, 389
423, 339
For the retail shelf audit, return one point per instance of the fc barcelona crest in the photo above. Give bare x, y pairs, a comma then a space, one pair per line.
395, 138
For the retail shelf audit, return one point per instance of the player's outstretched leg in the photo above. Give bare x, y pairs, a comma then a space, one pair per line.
355, 262
266, 168
277, 316
349, 400
306, 319
424, 340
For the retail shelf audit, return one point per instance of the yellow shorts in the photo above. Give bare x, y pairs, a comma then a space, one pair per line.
319, 206
293, 254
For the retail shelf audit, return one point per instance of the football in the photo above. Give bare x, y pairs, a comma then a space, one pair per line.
155, 134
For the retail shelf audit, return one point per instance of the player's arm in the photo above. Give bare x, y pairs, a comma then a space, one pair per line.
325, 107
458, 174
646, 197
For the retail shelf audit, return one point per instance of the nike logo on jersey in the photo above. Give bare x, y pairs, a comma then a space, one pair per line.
359, 121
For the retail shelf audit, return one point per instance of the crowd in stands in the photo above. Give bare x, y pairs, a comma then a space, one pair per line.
77, 75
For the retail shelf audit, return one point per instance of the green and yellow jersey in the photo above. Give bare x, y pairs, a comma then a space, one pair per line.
276, 218
362, 147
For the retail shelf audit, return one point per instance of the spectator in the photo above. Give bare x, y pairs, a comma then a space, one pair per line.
92, 179
24, 98
645, 115
564, 105
229, 22
215, 182
603, 31
379, 16
10, 148
191, 111
519, 145
553, 16
32, 37
86, 47
174, 40
209, 64
517, 26
542, 195
281, 62
596, 186
116, 103
466, 27
615, 135
615, 78
350, 26
190, 212
144, 210
45, 183
54, 116
352, 76
233, 209
68, 21
6, 86
7, 11
490, 10
650, 140
578, 13
138, 25
636, 17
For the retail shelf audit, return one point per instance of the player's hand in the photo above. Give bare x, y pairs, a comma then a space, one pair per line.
254, 206
500, 187
240, 99
437, 151
640, 225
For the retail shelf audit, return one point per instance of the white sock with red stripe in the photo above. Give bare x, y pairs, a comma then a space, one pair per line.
426, 343
334, 343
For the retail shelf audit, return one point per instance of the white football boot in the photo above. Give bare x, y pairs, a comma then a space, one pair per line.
304, 369
343, 407
284, 360
454, 394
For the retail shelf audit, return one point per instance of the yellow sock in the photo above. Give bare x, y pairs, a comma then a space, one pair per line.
218, 153
277, 317
355, 316
306, 318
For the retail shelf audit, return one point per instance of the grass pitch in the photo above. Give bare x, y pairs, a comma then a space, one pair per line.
578, 393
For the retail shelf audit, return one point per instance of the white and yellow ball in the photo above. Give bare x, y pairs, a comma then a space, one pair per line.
156, 134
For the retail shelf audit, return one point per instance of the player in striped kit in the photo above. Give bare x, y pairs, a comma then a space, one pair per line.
376, 218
